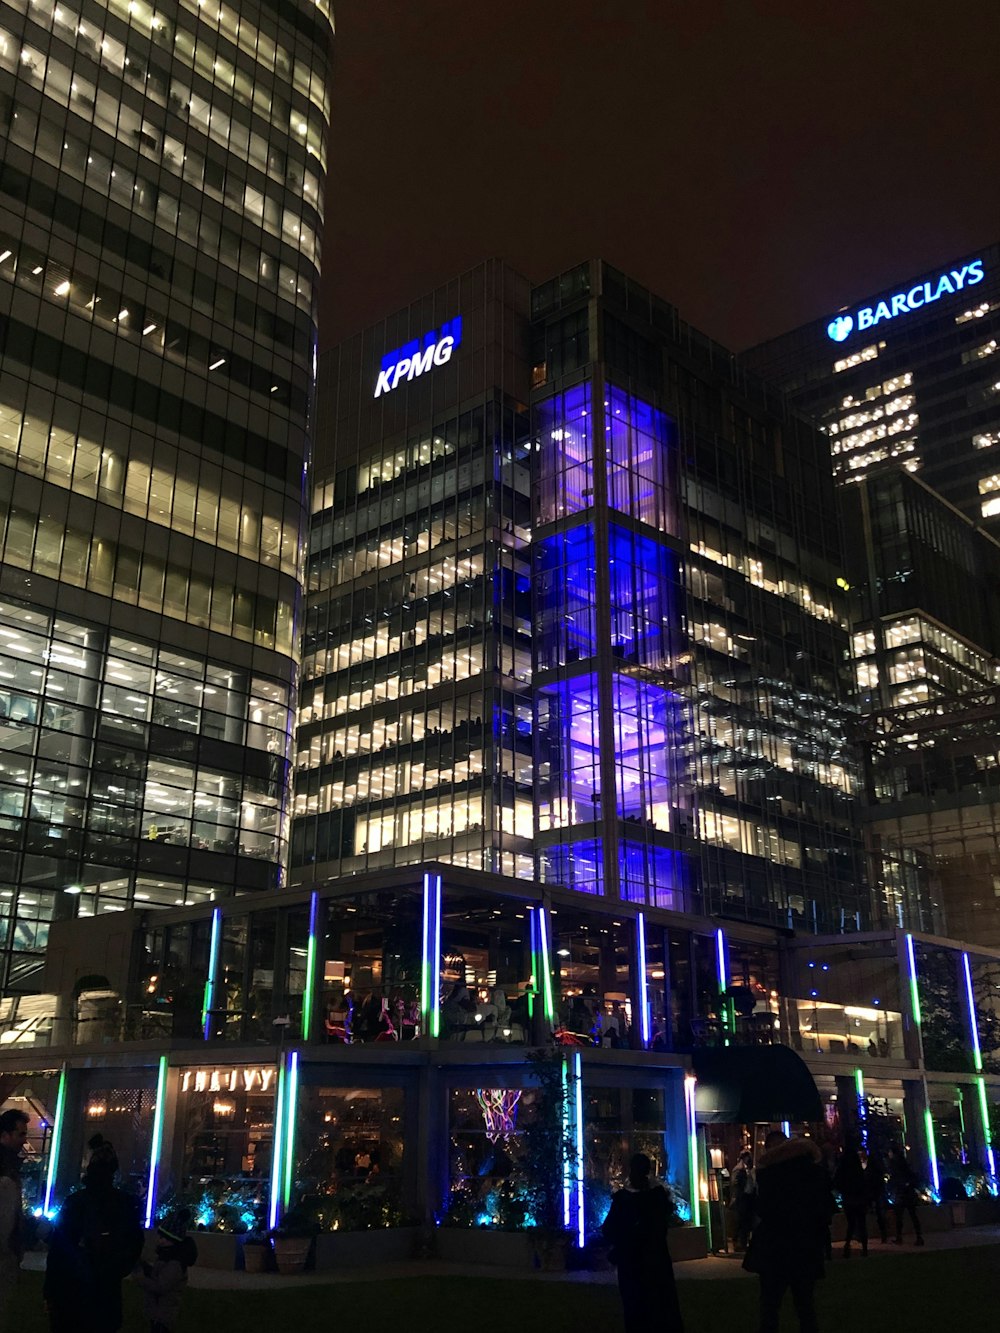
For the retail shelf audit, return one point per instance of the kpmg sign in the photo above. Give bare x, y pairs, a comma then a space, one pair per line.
901, 303
414, 358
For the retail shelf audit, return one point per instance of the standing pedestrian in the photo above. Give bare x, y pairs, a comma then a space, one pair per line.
875, 1190
636, 1226
793, 1205
903, 1189
849, 1182
95, 1243
13, 1133
741, 1192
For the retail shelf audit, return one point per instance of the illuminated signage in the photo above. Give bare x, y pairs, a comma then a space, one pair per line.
901, 303
245, 1078
416, 358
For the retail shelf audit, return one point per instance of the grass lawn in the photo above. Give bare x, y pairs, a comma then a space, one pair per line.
921, 1293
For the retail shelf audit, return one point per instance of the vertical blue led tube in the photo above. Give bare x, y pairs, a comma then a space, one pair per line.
56, 1141
213, 964
430, 970
640, 931
581, 1218
690, 1087
567, 1174
310, 985
157, 1142
548, 1006
277, 1153
721, 961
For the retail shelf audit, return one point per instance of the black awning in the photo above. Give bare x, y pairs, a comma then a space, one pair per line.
746, 1085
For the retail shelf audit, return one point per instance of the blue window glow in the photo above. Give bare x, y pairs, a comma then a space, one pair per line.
578, 865
655, 876
565, 464
645, 598
640, 445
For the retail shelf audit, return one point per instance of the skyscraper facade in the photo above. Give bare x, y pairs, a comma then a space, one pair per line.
161, 201
908, 377
925, 598
574, 611
908, 382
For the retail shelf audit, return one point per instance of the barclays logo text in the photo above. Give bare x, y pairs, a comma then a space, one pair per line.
901, 303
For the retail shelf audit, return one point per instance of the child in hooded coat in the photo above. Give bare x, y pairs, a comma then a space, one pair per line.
163, 1281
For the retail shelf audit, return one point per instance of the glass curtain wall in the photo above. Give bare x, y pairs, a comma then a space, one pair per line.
160, 217
415, 737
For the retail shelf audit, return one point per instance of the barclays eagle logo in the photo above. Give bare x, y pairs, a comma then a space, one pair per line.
838, 329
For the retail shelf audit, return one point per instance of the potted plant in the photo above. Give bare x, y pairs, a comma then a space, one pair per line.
292, 1241
256, 1252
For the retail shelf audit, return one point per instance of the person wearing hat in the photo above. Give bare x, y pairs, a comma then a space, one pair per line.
163, 1281
95, 1243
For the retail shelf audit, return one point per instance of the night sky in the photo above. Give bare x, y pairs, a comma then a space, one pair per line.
757, 162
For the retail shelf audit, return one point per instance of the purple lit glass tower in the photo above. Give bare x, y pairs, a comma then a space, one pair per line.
691, 705
609, 644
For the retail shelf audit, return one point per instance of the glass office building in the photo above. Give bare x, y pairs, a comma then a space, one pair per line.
908, 377
574, 611
161, 197
908, 382
415, 719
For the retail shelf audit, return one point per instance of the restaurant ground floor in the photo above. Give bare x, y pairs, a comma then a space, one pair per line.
480, 1154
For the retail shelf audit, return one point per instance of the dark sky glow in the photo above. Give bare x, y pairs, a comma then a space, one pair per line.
757, 162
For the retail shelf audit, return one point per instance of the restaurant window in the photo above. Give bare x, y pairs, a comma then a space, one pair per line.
371, 967
226, 1116
350, 1157
119, 1105
486, 970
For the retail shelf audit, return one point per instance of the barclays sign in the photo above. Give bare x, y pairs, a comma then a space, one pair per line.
901, 303
415, 358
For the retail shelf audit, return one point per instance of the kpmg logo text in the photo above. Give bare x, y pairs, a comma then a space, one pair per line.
901, 303
414, 358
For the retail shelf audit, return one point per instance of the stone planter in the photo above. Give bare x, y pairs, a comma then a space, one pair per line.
291, 1253
216, 1249
484, 1245
256, 1256
982, 1211
356, 1249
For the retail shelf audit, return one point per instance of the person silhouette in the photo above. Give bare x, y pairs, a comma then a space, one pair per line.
636, 1227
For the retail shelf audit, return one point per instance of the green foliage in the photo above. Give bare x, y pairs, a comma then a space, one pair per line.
358, 1207
297, 1224
543, 1151
944, 1021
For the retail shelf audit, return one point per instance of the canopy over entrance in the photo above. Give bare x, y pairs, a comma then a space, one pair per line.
746, 1085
